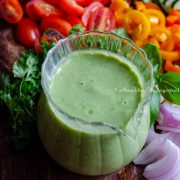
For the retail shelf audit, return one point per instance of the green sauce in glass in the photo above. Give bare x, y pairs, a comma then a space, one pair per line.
97, 86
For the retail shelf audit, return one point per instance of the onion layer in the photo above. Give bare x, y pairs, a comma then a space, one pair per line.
169, 115
162, 154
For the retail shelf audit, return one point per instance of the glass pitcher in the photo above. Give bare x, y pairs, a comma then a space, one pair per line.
92, 148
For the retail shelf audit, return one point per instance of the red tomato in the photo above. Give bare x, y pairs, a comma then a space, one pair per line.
29, 8
53, 2
105, 2
102, 20
44, 9
37, 46
90, 9
27, 32
84, 2
56, 23
11, 11
72, 19
71, 7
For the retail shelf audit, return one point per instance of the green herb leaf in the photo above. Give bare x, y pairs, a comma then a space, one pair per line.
169, 84
154, 57
4, 80
21, 95
77, 28
120, 32
154, 102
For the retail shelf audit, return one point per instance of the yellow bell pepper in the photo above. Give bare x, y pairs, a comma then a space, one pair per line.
164, 37
156, 17
137, 25
119, 7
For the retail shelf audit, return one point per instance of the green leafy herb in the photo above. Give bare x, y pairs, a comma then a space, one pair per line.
77, 28
154, 105
169, 84
21, 94
154, 57
120, 32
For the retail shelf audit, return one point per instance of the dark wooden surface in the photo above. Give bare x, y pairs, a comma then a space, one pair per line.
35, 163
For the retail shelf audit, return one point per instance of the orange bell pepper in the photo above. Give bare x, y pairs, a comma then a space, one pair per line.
170, 55
172, 66
120, 8
175, 29
156, 17
150, 5
137, 25
175, 12
164, 37
140, 5
173, 18
141, 43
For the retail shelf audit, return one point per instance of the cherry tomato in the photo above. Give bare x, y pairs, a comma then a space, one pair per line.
105, 2
71, 7
101, 19
90, 9
29, 8
56, 23
84, 3
11, 11
44, 9
53, 2
37, 46
72, 19
27, 32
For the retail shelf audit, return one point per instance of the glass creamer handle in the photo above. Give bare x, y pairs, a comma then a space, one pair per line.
51, 34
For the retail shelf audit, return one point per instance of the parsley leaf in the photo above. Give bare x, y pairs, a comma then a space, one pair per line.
120, 32
77, 28
21, 95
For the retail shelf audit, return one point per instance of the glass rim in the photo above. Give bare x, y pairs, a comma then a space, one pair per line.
144, 99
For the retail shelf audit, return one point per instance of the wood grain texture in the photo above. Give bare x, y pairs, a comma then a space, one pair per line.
10, 49
35, 163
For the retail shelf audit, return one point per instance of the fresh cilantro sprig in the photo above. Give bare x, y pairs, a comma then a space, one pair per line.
21, 94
